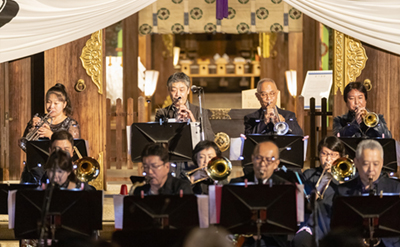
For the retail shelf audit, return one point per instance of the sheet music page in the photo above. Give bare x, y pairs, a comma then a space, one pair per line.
11, 208
118, 210
300, 202
202, 204
318, 85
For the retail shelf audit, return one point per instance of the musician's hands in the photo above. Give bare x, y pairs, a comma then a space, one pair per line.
45, 131
35, 121
359, 112
198, 175
184, 114
268, 114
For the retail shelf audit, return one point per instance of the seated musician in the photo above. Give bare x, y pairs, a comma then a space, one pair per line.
155, 159
369, 163
330, 148
59, 108
351, 124
202, 154
263, 120
179, 88
265, 159
59, 165
61, 139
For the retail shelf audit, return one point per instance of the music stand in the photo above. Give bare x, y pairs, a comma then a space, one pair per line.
160, 212
259, 209
388, 145
368, 214
178, 136
5, 188
72, 212
37, 152
291, 149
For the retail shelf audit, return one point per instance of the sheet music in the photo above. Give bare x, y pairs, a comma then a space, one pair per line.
202, 204
318, 85
300, 202
11, 208
236, 148
118, 210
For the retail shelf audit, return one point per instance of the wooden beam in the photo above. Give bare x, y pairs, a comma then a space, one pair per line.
130, 53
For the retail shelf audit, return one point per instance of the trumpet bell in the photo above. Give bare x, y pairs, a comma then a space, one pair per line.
219, 168
343, 169
87, 169
281, 128
371, 119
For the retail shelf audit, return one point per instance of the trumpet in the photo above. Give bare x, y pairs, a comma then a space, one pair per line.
370, 119
33, 134
218, 169
280, 128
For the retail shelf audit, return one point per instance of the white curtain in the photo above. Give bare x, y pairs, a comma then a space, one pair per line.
374, 22
31, 26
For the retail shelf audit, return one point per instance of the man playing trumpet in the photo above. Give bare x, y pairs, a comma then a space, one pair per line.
264, 120
353, 123
179, 88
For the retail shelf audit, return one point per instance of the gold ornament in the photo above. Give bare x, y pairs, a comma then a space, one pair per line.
92, 59
223, 141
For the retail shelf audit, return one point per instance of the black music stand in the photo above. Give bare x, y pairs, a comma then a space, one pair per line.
291, 149
177, 136
257, 209
5, 188
37, 152
388, 145
368, 214
72, 213
160, 212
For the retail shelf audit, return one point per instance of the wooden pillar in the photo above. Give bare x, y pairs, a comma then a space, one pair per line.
130, 53
19, 112
163, 62
274, 67
4, 122
311, 47
295, 57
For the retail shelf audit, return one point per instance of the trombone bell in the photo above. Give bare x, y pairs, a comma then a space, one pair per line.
87, 169
343, 169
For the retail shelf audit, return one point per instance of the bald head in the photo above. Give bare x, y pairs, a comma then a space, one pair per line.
265, 159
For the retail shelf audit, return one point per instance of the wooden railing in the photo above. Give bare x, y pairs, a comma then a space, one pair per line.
117, 145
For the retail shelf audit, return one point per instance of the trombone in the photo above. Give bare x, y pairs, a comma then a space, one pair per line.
343, 169
218, 169
87, 168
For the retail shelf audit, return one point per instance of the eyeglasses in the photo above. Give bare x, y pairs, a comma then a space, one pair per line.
266, 160
334, 155
152, 167
264, 94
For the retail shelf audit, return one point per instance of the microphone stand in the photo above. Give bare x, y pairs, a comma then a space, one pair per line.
201, 115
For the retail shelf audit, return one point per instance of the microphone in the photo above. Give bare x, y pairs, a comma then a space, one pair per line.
196, 89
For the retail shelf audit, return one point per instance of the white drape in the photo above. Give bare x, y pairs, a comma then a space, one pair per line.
44, 24
373, 22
